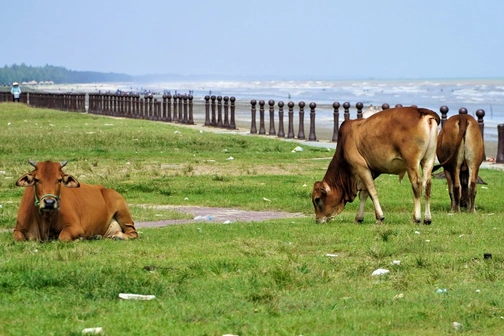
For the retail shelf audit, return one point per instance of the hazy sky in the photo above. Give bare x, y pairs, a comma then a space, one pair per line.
283, 38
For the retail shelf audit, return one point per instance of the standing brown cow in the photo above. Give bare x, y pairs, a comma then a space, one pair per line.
394, 141
461, 150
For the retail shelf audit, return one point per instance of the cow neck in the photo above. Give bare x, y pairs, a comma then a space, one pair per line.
37, 201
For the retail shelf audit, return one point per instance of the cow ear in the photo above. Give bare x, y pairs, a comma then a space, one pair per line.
26, 180
324, 188
70, 182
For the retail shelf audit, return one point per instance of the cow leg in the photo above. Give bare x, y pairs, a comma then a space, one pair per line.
363, 195
416, 185
457, 190
449, 181
70, 232
127, 228
19, 236
122, 215
368, 183
472, 189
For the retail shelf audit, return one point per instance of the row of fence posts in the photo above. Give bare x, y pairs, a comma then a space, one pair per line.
346, 108
180, 110
215, 117
336, 105
6, 96
73, 102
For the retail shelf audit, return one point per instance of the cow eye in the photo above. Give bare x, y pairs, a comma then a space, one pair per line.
36, 180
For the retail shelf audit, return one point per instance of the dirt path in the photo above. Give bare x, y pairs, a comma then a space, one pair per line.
218, 215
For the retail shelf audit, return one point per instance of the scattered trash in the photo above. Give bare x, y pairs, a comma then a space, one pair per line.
230, 158
210, 160
417, 232
128, 296
176, 132
225, 150
35, 250
462, 235
380, 271
427, 240
207, 217
478, 291
97, 330
227, 222
108, 124
1, 206
487, 256
8, 124
297, 149
331, 255
201, 131
2, 172
441, 290
304, 185
457, 325
186, 199
396, 262
484, 187
398, 296
266, 199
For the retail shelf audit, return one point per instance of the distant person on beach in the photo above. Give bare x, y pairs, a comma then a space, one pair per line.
16, 92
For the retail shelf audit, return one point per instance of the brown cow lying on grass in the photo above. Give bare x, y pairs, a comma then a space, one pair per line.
461, 150
48, 211
394, 141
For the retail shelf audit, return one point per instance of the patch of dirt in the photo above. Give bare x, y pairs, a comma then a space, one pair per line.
218, 215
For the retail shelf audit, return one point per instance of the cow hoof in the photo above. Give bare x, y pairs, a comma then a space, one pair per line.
98, 237
427, 221
359, 220
117, 238
416, 221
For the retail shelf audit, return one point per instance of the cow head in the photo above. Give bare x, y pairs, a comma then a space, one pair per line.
328, 202
46, 179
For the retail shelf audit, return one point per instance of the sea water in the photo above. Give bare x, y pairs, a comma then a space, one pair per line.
472, 94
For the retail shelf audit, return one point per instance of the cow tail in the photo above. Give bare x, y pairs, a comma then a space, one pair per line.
461, 135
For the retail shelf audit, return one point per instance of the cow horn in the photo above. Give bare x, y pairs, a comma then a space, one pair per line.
63, 163
33, 163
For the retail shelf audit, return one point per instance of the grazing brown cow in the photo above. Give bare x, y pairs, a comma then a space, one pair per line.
460, 151
48, 211
394, 141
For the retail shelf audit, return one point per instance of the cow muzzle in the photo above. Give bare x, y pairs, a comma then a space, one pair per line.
323, 220
48, 202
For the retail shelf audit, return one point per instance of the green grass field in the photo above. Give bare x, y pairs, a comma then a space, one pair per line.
279, 277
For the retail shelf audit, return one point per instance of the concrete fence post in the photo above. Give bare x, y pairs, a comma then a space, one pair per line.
272, 130
261, 117
232, 124
207, 110
301, 135
290, 131
281, 133
346, 113
226, 112
336, 107
312, 136
359, 107
253, 128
